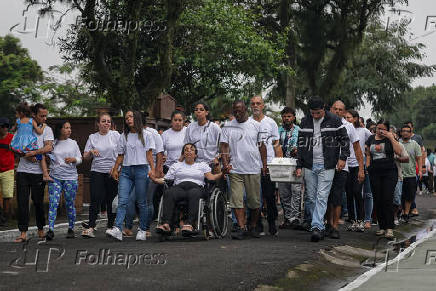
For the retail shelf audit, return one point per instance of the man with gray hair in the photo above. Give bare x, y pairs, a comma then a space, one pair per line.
271, 140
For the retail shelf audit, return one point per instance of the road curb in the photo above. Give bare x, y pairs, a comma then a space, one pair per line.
11, 234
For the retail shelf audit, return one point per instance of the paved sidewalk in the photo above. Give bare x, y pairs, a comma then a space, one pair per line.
417, 271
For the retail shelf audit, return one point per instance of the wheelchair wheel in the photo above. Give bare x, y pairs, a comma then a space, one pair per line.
218, 213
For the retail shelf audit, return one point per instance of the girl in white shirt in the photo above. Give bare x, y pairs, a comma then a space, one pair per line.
135, 154
188, 177
65, 157
173, 139
101, 147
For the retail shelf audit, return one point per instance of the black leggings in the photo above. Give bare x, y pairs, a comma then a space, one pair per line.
189, 191
103, 188
354, 195
383, 184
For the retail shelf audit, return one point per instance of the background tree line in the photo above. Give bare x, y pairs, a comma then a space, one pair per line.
219, 50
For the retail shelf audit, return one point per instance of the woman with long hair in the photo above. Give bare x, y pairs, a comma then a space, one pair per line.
188, 176
64, 159
383, 175
135, 155
353, 187
204, 134
101, 147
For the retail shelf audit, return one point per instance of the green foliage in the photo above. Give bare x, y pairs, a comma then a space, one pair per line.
18, 73
221, 56
382, 69
419, 106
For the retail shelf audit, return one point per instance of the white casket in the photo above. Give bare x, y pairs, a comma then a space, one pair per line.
282, 170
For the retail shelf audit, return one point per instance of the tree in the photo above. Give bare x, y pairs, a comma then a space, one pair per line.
66, 93
18, 73
417, 105
221, 56
322, 36
382, 69
127, 63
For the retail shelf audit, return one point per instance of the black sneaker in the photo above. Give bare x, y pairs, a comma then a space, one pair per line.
49, 235
70, 233
334, 233
405, 218
252, 233
295, 224
328, 230
285, 225
238, 234
317, 235
306, 226
272, 229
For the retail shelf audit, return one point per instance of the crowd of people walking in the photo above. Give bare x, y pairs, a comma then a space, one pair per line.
354, 173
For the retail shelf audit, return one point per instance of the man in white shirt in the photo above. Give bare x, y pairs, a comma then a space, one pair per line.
340, 179
273, 150
29, 178
244, 156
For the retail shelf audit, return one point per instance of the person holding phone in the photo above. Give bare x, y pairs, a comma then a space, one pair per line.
383, 175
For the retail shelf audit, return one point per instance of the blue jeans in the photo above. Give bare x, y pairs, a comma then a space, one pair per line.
131, 209
368, 202
397, 193
132, 177
318, 184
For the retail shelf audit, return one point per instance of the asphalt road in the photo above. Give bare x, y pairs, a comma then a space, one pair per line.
220, 264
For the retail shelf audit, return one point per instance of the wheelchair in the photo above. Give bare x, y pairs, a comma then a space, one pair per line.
212, 217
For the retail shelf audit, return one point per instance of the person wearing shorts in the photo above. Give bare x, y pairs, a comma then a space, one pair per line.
244, 157
7, 162
408, 170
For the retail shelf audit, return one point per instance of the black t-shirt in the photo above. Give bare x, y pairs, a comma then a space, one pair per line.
382, 153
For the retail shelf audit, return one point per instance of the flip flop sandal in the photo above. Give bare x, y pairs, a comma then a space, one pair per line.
20, 240
127, 233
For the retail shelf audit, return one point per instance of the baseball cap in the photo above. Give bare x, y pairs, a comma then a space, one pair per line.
4, 121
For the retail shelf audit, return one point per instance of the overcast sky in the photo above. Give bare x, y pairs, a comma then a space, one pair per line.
420, 13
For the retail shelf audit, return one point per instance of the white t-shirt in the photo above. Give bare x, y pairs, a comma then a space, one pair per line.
318, 156
363, 135
26, 166
353, 136
135, 153
427, 166
271, 135
107, 147
182, 172
173, 142
243, 139
62, 149
157, 142
205, 138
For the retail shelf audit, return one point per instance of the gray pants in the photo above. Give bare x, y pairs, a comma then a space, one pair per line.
290, 197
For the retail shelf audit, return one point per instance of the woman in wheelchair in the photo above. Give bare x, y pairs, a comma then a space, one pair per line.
188, 177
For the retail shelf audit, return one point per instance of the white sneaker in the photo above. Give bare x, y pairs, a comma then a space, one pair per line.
396, 221
141, 235
115, 232
360, 226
